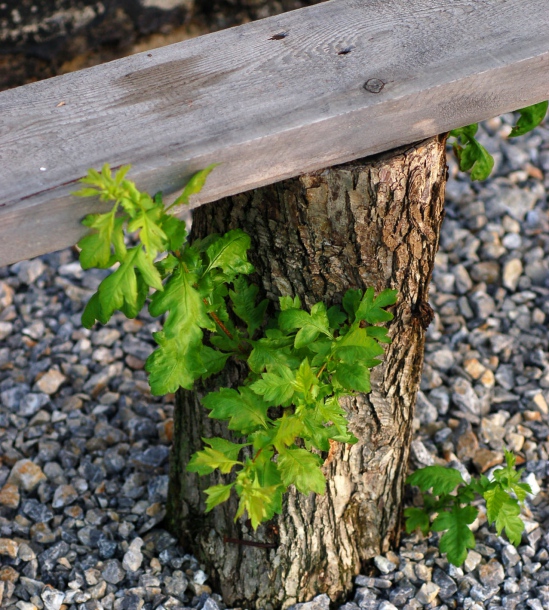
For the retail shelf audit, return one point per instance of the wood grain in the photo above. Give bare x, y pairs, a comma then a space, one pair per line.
265, 106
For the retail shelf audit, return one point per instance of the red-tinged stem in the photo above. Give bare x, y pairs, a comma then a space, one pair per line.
222, 326
257, 455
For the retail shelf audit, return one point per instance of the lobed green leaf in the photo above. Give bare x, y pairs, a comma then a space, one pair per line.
229, 253
183, 302
194, 185
276, 387
244, 409
442, 480
530, 117
217, 494
417, 518
458, 537
370, 308
301, 468
175, 363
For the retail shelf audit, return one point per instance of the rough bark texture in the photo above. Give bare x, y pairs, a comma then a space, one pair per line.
373, 222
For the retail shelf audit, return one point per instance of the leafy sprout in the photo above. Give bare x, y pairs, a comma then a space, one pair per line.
447, 508
473, 157
287, 409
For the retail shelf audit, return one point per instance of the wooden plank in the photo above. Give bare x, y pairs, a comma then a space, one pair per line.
267, 100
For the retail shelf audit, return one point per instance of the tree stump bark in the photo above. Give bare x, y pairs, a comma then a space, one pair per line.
373, 222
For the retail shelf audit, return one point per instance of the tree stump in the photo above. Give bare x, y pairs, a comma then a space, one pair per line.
373, 222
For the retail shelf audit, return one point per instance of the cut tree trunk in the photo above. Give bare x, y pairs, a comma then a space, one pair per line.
373, 222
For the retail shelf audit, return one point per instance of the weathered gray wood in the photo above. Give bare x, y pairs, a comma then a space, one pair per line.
266, 107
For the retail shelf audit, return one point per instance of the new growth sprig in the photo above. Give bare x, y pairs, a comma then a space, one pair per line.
473, 157
288, 407
448, 507
287, 411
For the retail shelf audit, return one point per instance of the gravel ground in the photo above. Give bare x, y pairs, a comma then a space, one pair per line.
84, 447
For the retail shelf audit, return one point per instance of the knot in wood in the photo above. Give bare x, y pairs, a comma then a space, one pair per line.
374, 85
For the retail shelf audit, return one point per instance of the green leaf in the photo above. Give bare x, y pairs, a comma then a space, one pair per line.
194, 185
354, 377
117, 238
300, 468
310, 325
217, 494
175, 230
378, 333
96, 247
276, 387
475, 157
509, 478
481, 484
121, 174
336, 317
260, 503
321, 348
175, 363
316, 434
186, 307
472, 155
264, 468
149, 272
289, 303
469, 131
86, 192
330, 410
229, 253
306, 382
151, 234
351, 302
508, 519
93, 177
459, 536
206, 461
221, 454
132, 309
351, 354
119, 289
214, 361
166, 265
304, 336
243, 299
245, 410
92, 312
417, 518
441, 479
371, 309
288, 427
530, 117
268, 353
495, 498
358, 337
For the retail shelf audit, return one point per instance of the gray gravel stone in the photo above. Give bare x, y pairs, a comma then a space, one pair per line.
36, 511
384, 565
133, 558
52, 598
29, 271
427, 593
112, 572
464, 396
492, 573
32, 403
